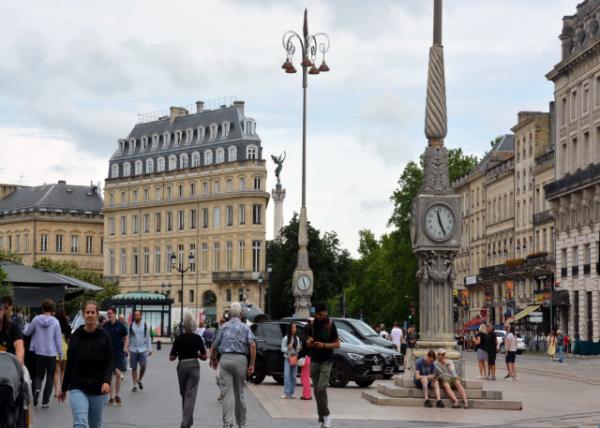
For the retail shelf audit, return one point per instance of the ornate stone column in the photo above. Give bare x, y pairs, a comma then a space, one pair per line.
278, 194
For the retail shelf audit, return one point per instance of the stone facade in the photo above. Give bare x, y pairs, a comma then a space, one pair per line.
59, 221
575, 193
213, 209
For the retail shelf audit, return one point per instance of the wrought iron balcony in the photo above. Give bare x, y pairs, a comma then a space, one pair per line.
235, 276
580, 178
542, 217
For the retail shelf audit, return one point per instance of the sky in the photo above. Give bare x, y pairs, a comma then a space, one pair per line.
74, 76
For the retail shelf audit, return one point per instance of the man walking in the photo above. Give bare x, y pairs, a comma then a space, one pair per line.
46, 344
234, 342
396, 335
492, 350
322, 339
140, 347
118, 335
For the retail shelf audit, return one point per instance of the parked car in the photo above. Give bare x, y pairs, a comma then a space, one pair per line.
360, 364
501, 334
394, 361
362, 331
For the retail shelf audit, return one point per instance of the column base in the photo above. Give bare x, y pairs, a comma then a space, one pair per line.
426, 345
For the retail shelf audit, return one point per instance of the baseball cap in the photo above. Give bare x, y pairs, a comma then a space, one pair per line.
441, 351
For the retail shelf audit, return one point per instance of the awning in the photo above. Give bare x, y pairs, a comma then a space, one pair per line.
560, 298
525, 312
74, 282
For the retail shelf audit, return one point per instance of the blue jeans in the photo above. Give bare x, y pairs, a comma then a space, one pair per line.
87, 409
289, 377
561, 352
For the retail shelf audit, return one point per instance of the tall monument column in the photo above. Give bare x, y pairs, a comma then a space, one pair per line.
436, 216
278, 194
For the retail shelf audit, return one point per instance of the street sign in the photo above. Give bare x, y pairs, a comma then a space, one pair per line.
536, 320
536, 314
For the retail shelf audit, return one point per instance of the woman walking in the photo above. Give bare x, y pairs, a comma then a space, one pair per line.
88, 370
480, 348
290, 346
305, 366
552, 344
188, 347
61, 365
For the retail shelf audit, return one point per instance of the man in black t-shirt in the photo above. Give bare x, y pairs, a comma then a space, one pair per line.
492, 349
322, 339
11, 338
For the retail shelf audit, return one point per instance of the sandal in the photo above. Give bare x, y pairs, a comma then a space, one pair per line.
466, 405
456, 405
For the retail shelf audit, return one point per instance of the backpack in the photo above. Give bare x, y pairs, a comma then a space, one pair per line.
131, 333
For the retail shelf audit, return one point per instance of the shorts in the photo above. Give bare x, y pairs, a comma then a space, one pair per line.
120, 363
511, 356
482, 354
419, 385
491, 359
449, 380
137, 357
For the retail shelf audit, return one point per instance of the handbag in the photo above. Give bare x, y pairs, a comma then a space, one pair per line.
293, 360
301, 362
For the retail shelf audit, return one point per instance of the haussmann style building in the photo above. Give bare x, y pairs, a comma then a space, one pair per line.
192, 185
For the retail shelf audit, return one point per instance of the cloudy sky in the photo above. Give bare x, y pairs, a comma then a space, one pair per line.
74, 75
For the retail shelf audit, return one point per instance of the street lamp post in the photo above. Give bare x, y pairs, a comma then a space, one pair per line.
260, 281
309, 45
179, 268
269, 278
168, 294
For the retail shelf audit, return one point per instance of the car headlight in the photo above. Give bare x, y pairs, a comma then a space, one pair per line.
355, 357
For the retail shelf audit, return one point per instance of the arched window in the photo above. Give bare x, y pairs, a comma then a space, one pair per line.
178, 135
160, 164
126, 169
220, 155
166, 140
139, 167
217, 186
201, 131
250, 126
213, 131
149, 166
155, 138
132, 145
208, 157
251, 152
189, 135
232, 155
115, 171
144, 143
172, 162
209, 299
195, 159
122, 145
225, 129
183, 160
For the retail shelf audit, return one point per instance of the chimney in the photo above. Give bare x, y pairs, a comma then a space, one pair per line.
177, 112
239, 105
199, 106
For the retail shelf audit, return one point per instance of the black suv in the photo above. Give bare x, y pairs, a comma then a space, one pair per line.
362, 331
360, 364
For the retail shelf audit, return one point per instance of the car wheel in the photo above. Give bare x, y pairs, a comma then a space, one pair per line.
259, 373
364, 383
339, 374
278, 379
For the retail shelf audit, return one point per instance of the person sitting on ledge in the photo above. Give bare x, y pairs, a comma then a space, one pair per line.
445, 373
425, 378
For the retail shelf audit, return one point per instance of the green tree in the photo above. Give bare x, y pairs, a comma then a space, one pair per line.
5, 287
329, 262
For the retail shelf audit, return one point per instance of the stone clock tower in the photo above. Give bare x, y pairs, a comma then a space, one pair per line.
436, 216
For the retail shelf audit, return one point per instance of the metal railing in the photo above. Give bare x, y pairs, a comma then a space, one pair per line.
234, 276
581, 177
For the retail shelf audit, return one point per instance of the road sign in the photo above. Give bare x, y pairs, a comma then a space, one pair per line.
536, 320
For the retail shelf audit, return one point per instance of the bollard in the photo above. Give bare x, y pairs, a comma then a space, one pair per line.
158, 345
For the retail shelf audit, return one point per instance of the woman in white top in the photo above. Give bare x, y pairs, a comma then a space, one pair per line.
510, 344
290, 346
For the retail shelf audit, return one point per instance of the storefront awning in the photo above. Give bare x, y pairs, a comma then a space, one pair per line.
525, 312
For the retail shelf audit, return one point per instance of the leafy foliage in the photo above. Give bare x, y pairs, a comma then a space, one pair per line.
10, 257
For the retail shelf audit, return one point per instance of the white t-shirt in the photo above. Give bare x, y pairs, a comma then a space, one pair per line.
396, 335
384, 334
510, 342
200, 331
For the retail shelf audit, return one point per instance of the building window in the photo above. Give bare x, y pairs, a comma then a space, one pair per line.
181, 219
123, 198
179, 296
242, 214
146, 223
166, 140
256, 214
232, 154
59, 243
208, 160
204, 265
178, 135
573, 105
157, 220
216, 217
229, 215
201, 132
220, 155
135, 262
146, 195
112, 199
135, 224
251, 152
585, 99
191, 296
225, 129
241, 250
183, 160
242, 184
126, 169
111, 226
155, 138
189, 135
158, 193
180, 190
228, 295
160, 164
74, 243
195, 159
192, 189
213, 129
89, 244
217, 186
205, 188
139, 167
205, 218
123, 261
257, 183
111, 262
157, 260
229, 185
228, 255
168, 265
256, 256
193, 259
169, 193
44, 243
172, 162
115, 171
146, 261
169, 221
217, 257
193, 219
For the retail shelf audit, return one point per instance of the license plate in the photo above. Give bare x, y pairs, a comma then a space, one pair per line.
376, 368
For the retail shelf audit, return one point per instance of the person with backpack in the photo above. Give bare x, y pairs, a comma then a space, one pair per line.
140, 347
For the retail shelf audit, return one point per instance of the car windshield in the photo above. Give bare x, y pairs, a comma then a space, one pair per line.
363, 328
349, 338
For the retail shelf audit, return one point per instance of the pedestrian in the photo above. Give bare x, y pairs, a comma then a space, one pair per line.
188, 347
552, 344
46, 343
11, 338
567, 343
382, 332
61, 365
425, 378
140, 348
411, 342
119, 338
560, 345
290, 347
88, 371
15, 318
304, 363
445, 372
396, 335
510, 344
492, 350
322, 339
234, 342
480, 348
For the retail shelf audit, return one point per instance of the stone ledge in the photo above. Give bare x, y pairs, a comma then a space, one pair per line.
401, 392
467, 383
379, 399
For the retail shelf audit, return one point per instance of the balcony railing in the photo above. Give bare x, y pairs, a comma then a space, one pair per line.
581, 177
234, 276
542, 217
537, 263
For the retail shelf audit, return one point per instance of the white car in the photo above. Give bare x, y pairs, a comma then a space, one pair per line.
78, 320
501, 334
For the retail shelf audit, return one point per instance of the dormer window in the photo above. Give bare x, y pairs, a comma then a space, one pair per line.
139, 167
172, 162
208, 157
250, 127
220, 155
189, 135
115, 171
149, 166
183, 160
160, 164
232, 154
126, 169
132, 144
195, 159
155, 138
225, 129
251, 152
213, 131
166, 140
121, 146
201, 132
178, 135
144, 143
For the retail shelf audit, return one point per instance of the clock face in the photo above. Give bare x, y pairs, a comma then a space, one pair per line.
304, 283
439, 222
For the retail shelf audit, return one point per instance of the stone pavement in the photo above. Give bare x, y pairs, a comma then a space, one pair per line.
549, 401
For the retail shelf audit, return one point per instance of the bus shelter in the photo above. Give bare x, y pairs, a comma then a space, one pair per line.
155, 308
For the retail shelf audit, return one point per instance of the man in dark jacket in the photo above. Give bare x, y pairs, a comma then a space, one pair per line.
492, 350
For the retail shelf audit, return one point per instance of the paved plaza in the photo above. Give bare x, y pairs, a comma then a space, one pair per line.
553, 395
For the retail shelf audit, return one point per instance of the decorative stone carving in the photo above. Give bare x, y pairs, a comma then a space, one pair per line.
302, 303
435, 170
435, 109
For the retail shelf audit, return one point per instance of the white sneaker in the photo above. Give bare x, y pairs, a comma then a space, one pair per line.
327, 421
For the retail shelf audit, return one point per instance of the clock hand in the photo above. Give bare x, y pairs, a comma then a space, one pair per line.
440, 222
